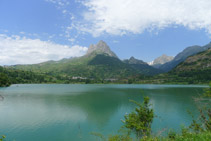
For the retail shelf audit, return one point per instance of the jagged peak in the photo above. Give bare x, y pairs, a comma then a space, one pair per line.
132, 58
101, 42
162, 59
164, 55
100, 48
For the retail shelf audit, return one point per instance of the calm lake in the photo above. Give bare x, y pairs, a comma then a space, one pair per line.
64, 112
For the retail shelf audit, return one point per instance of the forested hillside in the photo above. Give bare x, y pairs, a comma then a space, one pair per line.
4, 80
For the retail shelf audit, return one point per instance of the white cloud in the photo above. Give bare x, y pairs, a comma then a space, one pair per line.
22, 50
71, 39
135, 16
59, 3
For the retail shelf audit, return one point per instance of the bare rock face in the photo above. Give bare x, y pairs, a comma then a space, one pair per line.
162, 59
100, 48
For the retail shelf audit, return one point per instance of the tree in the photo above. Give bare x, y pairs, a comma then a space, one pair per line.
4, 80
141, 119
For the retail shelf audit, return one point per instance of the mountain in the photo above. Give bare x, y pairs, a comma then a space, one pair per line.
200, 61
133, 60
99, 63
189, 51
100, 48
161, 60
196, 68
142, 66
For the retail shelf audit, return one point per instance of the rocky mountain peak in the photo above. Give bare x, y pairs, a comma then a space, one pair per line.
162, 59
132, 58
100, 48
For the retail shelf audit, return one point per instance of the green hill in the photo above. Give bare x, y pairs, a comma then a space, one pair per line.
94, 66
15, 76
4, 80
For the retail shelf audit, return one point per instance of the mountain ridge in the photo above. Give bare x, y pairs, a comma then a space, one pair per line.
98, 63
180, 57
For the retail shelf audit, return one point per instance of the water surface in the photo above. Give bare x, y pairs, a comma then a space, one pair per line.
52, 112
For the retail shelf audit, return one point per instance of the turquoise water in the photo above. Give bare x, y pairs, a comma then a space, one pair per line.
55, 112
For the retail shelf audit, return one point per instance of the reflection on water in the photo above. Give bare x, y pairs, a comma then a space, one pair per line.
71, 112
1, 98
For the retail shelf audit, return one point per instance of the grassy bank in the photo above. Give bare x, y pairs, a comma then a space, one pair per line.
204, 136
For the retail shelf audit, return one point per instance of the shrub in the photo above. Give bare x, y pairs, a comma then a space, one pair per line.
2, 137
141, 119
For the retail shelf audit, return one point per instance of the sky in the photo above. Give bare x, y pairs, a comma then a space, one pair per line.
34, 31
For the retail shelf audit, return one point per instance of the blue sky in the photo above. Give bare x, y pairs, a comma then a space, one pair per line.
39, 30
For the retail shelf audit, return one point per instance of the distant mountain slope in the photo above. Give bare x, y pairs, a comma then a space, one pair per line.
195, 69
200, 61
189, 51
161, 60
99, 63
142, 66
133, 60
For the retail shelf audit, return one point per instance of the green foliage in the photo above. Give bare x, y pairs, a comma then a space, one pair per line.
189, 136
19, 76
204, 136
200, 76
4, 80
120, 138
2, 137
172, 134
140, 123
141, 119
207, 92
203, 124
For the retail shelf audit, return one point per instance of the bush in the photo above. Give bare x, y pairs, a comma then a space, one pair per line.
2, 137
141, 119
203, 124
